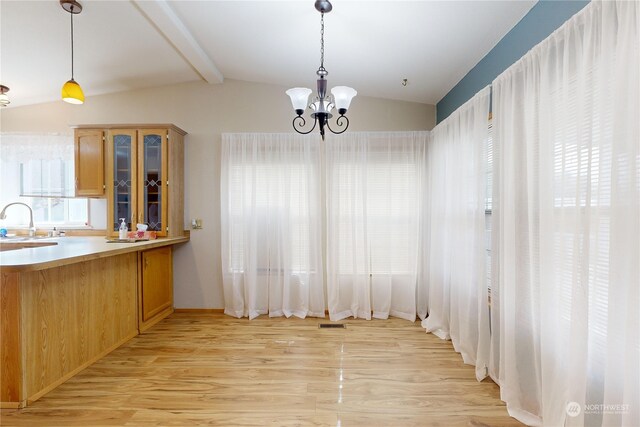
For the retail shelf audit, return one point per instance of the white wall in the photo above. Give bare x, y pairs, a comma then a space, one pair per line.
205, 112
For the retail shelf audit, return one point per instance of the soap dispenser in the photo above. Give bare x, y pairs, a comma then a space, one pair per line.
122, 233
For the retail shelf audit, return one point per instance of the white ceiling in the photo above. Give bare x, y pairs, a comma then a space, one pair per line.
369, 45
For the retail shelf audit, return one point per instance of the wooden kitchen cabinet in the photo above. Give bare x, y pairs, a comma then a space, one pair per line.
59, 320
89, 162
144, 177
155, 290
62, 310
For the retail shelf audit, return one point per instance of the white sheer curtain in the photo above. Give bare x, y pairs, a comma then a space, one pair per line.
37, 169
271, 225
566, 224
35, 164
18, 146
373, 197
454, 218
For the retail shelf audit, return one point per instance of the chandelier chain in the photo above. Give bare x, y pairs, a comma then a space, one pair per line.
322, 41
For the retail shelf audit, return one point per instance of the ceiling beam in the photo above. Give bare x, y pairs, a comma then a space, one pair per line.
165, 20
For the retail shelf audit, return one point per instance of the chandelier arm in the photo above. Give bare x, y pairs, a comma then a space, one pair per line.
339, 123
301, 123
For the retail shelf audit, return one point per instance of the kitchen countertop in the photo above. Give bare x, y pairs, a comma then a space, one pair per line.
70, 250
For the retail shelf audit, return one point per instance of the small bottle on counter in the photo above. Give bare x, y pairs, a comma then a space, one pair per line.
123, 231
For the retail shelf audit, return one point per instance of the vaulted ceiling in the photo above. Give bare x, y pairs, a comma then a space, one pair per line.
369, 45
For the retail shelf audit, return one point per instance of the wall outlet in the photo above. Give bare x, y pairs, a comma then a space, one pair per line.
196, 224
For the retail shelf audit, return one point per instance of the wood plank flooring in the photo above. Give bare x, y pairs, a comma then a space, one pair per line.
210, 369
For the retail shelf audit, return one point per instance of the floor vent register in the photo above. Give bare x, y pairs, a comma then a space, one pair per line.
332, 326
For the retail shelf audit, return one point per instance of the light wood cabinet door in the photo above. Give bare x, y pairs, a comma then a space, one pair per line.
89, 163
156, 290
121, 179
153, 198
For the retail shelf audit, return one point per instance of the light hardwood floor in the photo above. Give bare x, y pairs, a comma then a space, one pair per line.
211, 369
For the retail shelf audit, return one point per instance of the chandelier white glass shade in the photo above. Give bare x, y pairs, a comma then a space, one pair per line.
342, 96
4, 99
322, 104
71, 90
299, 98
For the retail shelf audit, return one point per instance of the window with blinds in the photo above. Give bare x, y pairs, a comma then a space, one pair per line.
38, 169
277, 198
582, 165
378, 209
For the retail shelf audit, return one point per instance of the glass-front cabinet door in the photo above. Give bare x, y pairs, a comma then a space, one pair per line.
152, 179
121, 179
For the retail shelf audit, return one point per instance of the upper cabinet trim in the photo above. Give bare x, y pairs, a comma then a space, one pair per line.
131, 126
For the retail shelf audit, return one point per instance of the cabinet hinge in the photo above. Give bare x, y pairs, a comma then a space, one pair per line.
167, 183
167, 229
103, 138
104, 187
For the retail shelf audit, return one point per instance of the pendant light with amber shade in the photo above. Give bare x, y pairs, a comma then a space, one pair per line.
71, 90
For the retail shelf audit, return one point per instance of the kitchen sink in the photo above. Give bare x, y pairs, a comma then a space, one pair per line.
14, 238
20, 242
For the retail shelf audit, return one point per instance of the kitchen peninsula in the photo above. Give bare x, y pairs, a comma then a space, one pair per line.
65, 305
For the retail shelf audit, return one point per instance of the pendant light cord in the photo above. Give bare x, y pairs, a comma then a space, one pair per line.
72, 42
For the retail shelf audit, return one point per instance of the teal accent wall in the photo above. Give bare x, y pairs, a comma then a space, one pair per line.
542, 20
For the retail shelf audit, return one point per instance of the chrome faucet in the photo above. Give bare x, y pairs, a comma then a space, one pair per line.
32, 228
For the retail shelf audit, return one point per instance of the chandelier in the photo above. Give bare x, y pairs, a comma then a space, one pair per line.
322, 104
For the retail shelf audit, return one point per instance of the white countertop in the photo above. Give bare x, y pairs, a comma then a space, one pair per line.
70, 250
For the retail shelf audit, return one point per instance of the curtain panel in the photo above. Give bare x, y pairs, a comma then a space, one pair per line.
287, 199
17, 147
455, 249
271, 225
373, 192
566, 224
